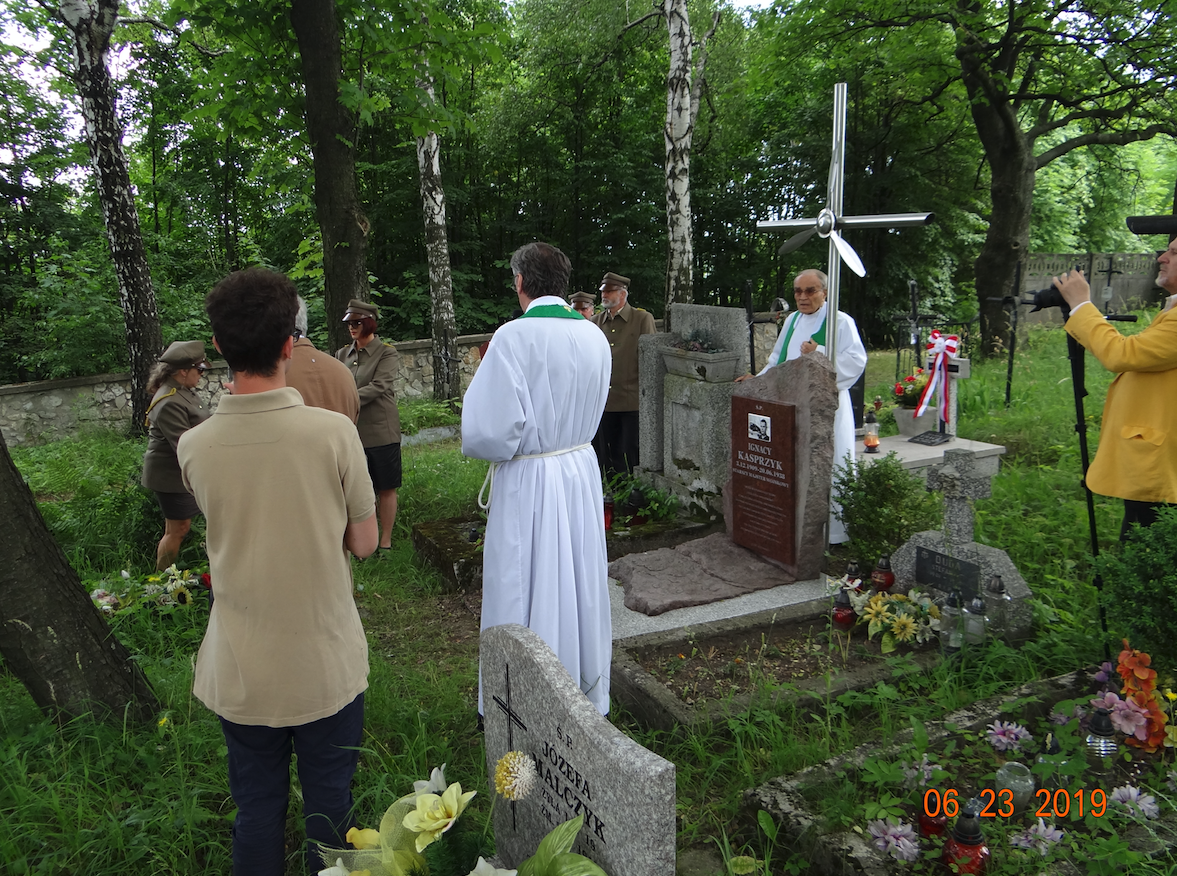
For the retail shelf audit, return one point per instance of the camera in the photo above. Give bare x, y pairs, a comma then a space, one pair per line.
1043, 298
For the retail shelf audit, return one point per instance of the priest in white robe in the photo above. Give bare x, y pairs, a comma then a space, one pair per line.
804, 331
532, 410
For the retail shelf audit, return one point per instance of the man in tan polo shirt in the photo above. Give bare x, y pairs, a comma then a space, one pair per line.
284, 662
617, 437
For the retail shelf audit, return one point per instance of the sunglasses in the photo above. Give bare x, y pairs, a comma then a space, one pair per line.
355, 323
202, 367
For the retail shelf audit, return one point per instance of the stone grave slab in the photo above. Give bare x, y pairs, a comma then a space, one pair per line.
944, 559
809, 384
763, 501
696, 572
586, 766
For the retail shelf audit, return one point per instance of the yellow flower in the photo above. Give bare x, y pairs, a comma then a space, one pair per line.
903, 628
877, 612
515, 775
364, 839
1169, 695
934, 611
435, 815
153, 577
163, 722
182, 596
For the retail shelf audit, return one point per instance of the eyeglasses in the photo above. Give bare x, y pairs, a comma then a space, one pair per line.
808, 290
296, 334
203, 367
355, 323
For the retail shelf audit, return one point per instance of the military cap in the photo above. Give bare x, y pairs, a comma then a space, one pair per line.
183, 354
582, 296
612, 279
357, 309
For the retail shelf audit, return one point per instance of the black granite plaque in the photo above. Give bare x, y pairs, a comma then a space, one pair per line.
764, 504
947, 573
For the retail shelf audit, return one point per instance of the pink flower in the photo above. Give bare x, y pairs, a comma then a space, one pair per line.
896, 839
1136, 803
1006, 735
1131, 719
1107, 700
1041, 837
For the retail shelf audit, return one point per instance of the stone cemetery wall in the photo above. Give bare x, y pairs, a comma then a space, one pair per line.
1133, 281
46, 410
585, 766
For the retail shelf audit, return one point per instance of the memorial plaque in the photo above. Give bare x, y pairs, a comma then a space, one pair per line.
764, 503
947, 573
585, 766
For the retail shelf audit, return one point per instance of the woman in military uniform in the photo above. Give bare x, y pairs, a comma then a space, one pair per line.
175, 408
375, 365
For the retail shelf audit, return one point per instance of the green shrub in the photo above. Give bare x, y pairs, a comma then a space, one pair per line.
883, 505
1140, 589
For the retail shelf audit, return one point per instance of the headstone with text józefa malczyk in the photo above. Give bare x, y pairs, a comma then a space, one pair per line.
584, 765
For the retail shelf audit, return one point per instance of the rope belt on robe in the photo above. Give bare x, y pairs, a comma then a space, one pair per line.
489, 480
940, 348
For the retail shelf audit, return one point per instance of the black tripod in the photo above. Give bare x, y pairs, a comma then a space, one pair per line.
1053, 298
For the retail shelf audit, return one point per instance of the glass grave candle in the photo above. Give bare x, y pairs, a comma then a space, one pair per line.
1019, 781
966, 847
882, 578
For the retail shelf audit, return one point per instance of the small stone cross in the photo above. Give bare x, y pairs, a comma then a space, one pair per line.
957, 478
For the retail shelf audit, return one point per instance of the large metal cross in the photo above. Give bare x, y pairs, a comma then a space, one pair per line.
830, 220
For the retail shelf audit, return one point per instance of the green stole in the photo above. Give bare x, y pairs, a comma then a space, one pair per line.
558, 311
819, 336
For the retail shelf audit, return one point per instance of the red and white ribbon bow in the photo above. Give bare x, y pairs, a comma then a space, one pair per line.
941, 348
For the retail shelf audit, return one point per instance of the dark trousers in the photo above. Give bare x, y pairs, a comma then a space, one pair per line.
617, 442
259, 779
1144, 513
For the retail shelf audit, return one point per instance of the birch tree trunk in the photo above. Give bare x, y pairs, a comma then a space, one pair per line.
91, 23
51, 636
683, 87
342, 222
446, 376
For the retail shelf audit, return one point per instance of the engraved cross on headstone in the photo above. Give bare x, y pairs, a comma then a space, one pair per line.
958, 478
513, 720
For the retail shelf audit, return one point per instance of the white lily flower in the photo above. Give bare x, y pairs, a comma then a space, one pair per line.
435, 785
485, 868
337, 870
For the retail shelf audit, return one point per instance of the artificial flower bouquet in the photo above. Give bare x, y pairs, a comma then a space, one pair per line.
908, 390
415, 821
171, 588
903, 619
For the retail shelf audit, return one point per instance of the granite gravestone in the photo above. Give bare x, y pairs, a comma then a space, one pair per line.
951, 559
585, 765
763, 471
808, 385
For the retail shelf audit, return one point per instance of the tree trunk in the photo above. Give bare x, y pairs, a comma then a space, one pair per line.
91, 23
52, 637
342, 222
680, 127
446, 376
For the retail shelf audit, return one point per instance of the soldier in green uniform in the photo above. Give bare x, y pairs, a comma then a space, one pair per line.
617, 437
375, 365
175, 408
583, 303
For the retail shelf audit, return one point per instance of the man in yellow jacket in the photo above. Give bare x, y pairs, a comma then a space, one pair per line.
1137, 456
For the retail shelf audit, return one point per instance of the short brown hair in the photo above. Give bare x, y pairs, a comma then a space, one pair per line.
544, 268
252, 314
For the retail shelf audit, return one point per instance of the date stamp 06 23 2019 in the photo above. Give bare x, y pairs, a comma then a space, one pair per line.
1000, 803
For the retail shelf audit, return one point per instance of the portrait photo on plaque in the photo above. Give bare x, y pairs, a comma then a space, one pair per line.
759, 427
